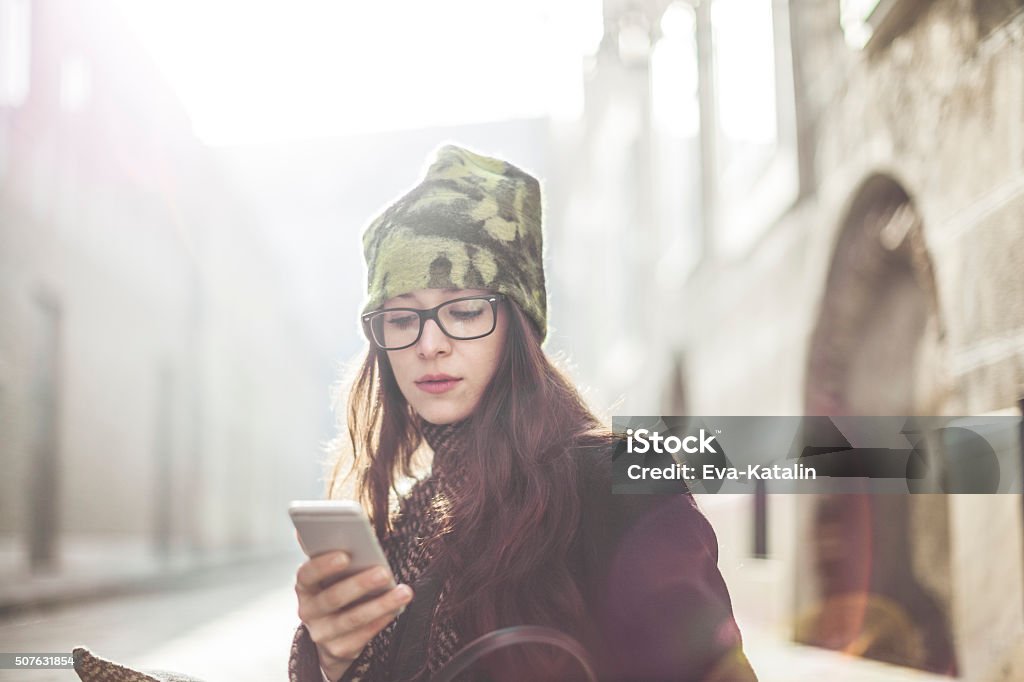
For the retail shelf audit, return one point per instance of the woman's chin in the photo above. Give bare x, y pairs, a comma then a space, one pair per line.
441, 414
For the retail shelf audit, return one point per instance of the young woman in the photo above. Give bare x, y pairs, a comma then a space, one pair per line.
515, 522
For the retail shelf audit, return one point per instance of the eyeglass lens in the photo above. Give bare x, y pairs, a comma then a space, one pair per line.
458, 319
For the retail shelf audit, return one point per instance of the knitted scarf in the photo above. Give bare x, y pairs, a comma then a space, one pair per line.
406, 548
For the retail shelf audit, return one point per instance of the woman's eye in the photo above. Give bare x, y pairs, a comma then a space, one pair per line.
401, 321
466, 314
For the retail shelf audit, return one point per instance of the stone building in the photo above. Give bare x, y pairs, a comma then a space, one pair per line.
850, 244
159, 401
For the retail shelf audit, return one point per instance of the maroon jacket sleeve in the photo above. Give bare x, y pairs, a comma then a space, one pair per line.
663, 608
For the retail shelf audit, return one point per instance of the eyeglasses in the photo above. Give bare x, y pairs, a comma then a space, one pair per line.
472, 317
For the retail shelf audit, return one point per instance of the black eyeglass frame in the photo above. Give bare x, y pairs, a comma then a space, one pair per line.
431, 314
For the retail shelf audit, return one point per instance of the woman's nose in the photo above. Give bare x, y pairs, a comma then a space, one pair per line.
433, 340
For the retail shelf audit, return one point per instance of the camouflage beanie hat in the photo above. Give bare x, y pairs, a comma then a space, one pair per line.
473, 222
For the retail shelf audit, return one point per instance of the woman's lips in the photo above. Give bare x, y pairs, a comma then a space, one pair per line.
438, 386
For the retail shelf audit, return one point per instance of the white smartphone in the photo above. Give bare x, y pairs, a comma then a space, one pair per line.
328, 525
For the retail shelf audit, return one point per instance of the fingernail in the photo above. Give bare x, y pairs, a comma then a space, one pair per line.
380, 576
403, 593
341, 560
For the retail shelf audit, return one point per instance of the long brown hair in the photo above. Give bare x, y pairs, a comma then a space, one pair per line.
507, 531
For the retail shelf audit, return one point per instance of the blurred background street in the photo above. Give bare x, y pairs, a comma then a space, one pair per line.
233, 624
752, 207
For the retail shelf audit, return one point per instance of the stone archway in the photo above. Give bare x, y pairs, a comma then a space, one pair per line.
878, 583
879, 317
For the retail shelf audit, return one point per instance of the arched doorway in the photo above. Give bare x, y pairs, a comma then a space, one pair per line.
877, 581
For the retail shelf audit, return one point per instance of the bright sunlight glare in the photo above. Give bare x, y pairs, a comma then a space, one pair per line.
266, 70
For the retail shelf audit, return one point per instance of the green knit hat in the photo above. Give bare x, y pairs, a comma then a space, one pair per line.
473, 222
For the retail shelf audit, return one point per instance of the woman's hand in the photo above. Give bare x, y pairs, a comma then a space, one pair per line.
340, 629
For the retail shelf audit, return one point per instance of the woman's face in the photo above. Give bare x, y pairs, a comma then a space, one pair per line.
468, 365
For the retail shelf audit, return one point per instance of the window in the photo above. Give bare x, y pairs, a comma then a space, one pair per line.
74, 84
675, 123
754, 170
14, 52
744, 61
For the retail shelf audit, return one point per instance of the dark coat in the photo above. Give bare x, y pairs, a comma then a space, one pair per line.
647, 568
